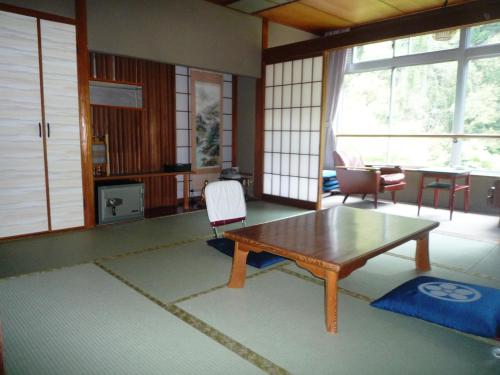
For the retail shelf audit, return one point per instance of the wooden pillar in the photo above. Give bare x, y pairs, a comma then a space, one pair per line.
234, 127
259, 119
84, 101
323, 130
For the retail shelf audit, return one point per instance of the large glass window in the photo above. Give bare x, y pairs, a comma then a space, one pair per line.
423, 98
440, 41
426, 100
366, 102
374, 51
484, 35
482, 103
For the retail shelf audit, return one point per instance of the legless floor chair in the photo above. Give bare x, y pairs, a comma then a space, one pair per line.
226, 205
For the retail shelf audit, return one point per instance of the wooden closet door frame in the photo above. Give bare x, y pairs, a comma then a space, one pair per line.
80, 22
44, 135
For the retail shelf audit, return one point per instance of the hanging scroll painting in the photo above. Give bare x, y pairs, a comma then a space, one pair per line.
207, 129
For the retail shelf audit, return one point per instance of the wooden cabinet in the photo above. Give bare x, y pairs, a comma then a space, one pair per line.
40, 154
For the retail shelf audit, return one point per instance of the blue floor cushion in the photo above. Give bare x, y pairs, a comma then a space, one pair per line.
329, 174
258, 260
465, 307
327, 189
330, 183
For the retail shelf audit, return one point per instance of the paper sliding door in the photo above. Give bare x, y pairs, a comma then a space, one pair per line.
292, 129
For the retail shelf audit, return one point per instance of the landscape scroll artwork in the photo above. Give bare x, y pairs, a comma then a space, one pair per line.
207, 120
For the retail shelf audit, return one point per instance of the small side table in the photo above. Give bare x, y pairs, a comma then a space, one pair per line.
450, 175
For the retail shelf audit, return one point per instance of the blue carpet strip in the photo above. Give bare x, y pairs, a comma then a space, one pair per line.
229, 343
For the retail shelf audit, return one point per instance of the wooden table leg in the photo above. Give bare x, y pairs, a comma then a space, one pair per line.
436, 195
422, 253
420, 192
467, 194
331, 291
452, 196
186, 191
239, 269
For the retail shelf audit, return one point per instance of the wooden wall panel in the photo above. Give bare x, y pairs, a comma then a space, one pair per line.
123, 128
140, 140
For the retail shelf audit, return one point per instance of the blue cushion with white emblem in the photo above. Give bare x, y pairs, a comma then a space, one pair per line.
465, 307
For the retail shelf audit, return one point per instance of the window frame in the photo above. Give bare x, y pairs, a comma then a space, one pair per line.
463, 54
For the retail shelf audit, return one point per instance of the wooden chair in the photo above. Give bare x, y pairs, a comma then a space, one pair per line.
357, 178
452, 186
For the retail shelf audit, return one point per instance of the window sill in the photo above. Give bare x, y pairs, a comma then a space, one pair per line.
473, 172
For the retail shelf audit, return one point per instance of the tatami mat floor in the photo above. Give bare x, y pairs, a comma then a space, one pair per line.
151, 299
465, 225
40, 253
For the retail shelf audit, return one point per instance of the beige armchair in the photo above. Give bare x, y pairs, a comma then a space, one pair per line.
357, 178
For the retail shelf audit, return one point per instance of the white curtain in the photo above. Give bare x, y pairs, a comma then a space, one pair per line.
335, 76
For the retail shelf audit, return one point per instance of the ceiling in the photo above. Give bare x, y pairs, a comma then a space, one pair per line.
320, 16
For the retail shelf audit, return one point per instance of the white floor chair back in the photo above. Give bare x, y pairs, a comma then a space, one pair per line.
225, 203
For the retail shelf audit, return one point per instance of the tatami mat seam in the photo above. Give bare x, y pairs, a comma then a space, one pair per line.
362, 297
229, 343
321, 283
465, 236
183, 242
258, 273
117, 256
479, 261
449, 268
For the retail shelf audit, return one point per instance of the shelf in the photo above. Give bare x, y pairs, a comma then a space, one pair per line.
118, 107
140, 175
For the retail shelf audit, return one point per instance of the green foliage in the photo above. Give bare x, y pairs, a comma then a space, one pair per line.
485, 34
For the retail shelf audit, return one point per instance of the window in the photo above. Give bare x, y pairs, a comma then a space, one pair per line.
427, 43
366, 101
374, 51
484, 35
425, 100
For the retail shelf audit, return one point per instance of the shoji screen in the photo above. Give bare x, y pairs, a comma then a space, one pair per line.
292, 128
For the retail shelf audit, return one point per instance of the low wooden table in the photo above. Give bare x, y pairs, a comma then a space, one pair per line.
330, 244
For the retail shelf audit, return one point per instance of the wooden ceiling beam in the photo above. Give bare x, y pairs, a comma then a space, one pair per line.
222, 2
423, 22
274, 7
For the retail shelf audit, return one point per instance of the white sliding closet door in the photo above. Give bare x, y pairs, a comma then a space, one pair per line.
23, 205
60, 87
